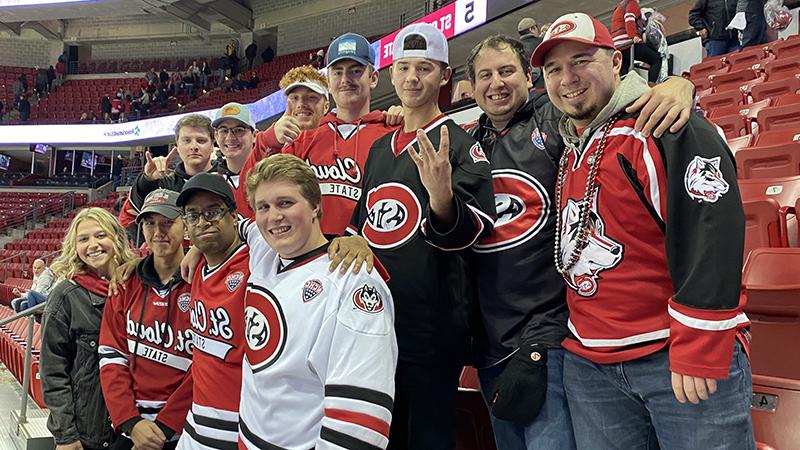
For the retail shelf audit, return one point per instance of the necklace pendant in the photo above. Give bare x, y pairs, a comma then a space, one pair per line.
590, 160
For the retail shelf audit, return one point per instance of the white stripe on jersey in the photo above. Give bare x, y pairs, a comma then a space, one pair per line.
620, 342
160, 356
207, 427
707, 325
110, 355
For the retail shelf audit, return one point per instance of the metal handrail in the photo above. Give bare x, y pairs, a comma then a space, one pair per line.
26, 374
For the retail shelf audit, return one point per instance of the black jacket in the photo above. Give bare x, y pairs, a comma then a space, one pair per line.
521, 295
713, 15
173, 182
70, 367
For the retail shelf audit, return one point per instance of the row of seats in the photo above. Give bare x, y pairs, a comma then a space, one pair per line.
12, 351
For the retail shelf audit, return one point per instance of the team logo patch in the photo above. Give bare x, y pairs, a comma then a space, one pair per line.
704, 181
601, 252
523, 208
265, 328
183, 301
311, 290
477, 154
234, 280
562, 27
393, 216
367, 299
348, 47
231, 110
538, 138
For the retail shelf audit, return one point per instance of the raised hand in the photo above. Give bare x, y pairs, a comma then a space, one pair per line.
287, 128
435, 170
158, 167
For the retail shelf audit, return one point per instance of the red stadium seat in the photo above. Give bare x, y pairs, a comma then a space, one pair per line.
473, 426
766, 138
782, 160
786, 99
777, 88
775, 408
723, 99
738, 143
771, 278
733, 126
784, 49
782, 68
705, 68
745, 59
730, 79
779, 117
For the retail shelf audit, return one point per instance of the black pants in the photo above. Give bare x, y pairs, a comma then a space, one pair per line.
646, 54
424, 407
123, 443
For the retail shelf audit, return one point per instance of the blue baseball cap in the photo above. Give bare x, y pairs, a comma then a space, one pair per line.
351, 46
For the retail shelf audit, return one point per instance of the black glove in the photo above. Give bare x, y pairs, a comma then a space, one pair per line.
520, 390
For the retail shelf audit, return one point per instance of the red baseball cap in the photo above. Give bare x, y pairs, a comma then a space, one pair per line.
576, 27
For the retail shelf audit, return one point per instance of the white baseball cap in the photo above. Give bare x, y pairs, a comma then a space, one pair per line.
435, 43
314, 86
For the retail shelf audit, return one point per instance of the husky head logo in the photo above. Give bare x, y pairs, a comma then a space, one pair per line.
601, 252
704, 181
367, 299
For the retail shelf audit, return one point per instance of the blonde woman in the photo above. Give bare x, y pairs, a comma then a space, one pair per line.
95, 245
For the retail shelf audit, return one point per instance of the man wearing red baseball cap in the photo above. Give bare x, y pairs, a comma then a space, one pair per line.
649, 237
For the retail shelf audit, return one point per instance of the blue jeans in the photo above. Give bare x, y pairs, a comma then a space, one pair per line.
552, 429
33, 298
717, 47
631, 405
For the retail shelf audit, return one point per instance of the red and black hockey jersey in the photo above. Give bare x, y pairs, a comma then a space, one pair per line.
522, 297
321, 354
429, 279
337, 152
145, 351
217, 313
625, 23
662, 262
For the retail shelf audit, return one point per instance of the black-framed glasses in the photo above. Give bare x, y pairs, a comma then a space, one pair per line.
237, 131
209, 215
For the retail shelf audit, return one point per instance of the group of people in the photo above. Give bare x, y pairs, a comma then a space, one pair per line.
579, 246
729, 25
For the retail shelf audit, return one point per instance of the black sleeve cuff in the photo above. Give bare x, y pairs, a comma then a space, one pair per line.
168, 432
128, 425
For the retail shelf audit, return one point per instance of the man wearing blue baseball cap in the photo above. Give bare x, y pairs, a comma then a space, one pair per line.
337, 150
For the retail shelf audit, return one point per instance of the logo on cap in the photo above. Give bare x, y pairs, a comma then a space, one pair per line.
231, 110
347, 46
562, 28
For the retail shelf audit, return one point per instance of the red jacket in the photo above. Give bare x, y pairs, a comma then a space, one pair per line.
145, 351
337, 152
624, 23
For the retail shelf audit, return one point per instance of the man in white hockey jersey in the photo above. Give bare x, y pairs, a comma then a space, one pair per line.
321, 350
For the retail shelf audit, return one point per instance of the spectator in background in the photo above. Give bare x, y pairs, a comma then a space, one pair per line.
755, 30
24, 80
51, 77
41, 80
95, 245
116, 171
222, 70
17, 90
116, 109
205, 73
233, 62
627, 26
24, 108
84, 118
531, 36
317, 60
43, 280
175, 82
710, 18
61, 70
250, 53
268, 55
163, 77
151, 76
254, 80
105, 108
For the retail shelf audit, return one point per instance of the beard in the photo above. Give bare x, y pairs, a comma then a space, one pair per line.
584, 112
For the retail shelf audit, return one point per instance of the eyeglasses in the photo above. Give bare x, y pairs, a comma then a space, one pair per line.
210, 215
237, 131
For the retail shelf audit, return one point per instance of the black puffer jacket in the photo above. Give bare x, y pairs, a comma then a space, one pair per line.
714, 16
70, 368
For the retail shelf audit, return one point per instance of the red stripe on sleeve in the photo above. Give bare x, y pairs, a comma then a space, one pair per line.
364, 420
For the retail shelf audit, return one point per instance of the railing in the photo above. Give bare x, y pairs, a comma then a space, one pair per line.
26, 374
38, 213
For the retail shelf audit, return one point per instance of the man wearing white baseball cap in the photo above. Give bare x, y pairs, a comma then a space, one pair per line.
427, 195
649, 235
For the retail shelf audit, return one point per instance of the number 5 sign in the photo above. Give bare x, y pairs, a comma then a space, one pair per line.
469, 14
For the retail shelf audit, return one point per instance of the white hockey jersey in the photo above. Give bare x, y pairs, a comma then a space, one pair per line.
321, 354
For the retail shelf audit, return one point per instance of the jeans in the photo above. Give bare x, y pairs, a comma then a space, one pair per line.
22, 303
552, 428
631, 405
716, 47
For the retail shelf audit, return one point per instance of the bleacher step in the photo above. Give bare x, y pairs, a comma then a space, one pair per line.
32, 435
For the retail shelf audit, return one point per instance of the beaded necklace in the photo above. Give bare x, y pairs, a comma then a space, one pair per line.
585, 207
